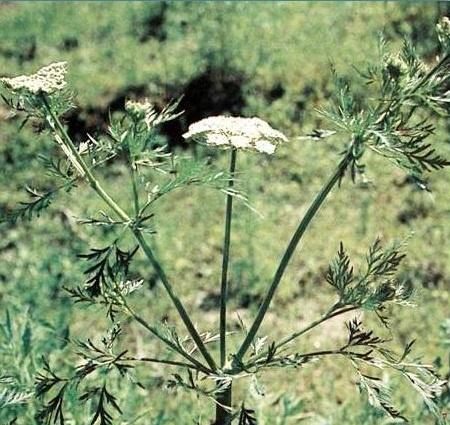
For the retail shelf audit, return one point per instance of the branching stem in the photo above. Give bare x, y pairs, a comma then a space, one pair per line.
303, 226
313, 354
55, 123
312, 325
169, 343
133, 176
154, 360
135, 189
431, 73
332, 313
176, 301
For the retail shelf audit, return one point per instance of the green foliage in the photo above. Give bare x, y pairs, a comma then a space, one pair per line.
391, 127
377, 285
21, 341
103, 269
32, 208
131, 147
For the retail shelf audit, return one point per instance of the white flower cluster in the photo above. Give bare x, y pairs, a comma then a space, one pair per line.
236, 132
48, 79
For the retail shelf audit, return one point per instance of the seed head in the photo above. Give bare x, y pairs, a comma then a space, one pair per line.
236, 132
48, 79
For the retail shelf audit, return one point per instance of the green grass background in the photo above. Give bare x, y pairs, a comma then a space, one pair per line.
280, 54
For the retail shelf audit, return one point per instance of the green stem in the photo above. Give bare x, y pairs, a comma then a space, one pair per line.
132, 168
223, 407
173, 346
303, 226
140, 238
87, 172
154, 360
431, 73
225, 261
176, 301
341, 352
332, 313
135, 189
301, 332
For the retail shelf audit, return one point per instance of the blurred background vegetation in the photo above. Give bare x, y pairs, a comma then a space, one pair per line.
266, 59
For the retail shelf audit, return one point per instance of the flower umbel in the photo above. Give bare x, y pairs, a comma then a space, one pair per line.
236, 132
48, 79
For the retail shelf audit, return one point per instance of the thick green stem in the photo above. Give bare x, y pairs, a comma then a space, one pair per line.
303, 226
55, 122
223, 407
225, 261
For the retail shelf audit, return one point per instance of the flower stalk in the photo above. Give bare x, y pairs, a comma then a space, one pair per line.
176, 301
225, 261
56, 125
223, 416
198, 365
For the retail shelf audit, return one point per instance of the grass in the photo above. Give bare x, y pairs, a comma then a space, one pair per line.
279, 54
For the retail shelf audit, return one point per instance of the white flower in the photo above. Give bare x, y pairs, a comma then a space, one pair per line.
48, 79
236, 132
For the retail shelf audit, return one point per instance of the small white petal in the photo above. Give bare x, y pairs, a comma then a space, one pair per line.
265, 147
239, 142
218, 139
